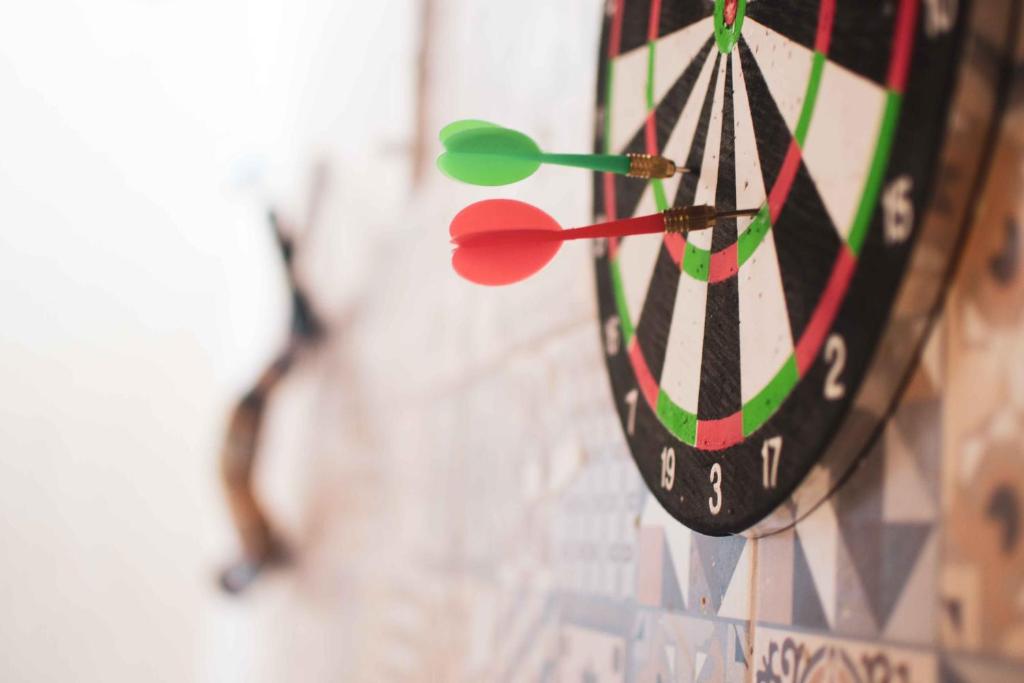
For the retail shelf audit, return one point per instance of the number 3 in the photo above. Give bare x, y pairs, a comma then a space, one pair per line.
715, 503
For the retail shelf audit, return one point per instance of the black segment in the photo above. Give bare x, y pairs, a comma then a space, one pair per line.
656, 315
672, 104
861, 37
670, 108
770, 130
599, 105
862, 34
688, 184
720, 365
724, 232
796, 20
636, 20
676, 15
807, 245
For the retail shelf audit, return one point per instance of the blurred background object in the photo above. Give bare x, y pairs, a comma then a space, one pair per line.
143, 143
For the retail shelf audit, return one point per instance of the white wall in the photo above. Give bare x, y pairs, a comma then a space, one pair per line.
140, 290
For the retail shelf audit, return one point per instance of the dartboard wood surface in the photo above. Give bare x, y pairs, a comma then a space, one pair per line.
743, 356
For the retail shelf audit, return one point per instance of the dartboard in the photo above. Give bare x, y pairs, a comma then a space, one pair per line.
746, 357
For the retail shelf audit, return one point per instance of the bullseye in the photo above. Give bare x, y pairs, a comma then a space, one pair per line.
728, 23
730, 11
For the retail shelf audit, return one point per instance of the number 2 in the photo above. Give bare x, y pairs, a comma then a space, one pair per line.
715, 503
835, 356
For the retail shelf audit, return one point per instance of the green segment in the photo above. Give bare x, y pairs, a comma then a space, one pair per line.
727, 36
678, 421
697, 262
659, 194
489, 155
754, 234
757, 411
657, 186
649, 91
810, 97
609, 163
869, 198
620, 303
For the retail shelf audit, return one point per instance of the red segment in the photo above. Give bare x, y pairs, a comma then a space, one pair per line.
714, 435
614, 42
613, 248
609, 196
615, 39
724, 264
825, 313
676, 245
902, 42
730, 11
777, 197
826, 13
651, 134
648, 387
654, 21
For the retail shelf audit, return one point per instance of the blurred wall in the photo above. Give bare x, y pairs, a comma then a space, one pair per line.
142, 142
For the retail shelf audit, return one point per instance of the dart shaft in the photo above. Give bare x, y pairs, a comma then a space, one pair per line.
641, 225
738, 213
644, 166
679, 220
607, 163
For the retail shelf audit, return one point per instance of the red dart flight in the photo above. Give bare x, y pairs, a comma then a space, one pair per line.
501, 241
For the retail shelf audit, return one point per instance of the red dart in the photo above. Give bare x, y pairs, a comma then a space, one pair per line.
501, 241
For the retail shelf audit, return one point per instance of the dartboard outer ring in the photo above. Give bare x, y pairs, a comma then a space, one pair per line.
942, 212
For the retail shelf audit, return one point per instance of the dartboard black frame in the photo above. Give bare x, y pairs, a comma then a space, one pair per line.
878, 296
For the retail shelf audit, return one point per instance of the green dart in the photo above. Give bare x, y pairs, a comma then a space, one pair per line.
484, 153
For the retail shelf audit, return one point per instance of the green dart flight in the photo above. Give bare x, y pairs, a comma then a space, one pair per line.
484, 153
